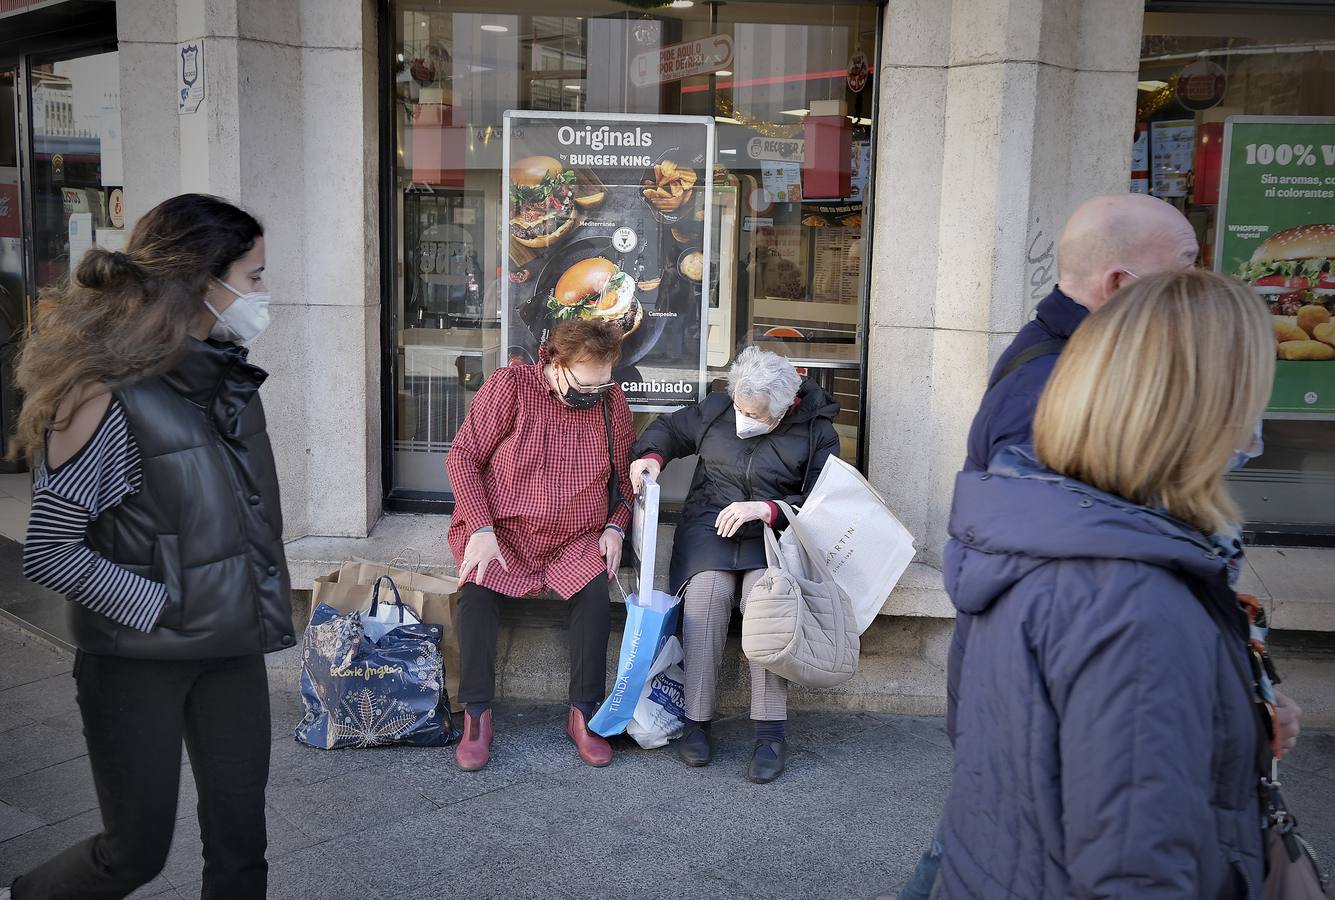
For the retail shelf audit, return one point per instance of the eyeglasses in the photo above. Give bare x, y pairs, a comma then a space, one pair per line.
588, 388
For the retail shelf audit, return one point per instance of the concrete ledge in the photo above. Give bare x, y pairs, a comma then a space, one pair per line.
1297, 585
421, 537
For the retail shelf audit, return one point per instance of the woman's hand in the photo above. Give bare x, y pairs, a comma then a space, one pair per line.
1289, 719
482, 550
735, 515
641, 468
610, 546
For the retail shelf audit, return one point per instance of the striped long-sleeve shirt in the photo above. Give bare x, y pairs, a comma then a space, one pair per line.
69, 497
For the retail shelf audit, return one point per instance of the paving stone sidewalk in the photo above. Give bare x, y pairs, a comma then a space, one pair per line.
847, 821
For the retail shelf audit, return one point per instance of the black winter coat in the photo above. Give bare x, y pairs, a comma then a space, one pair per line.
207, 522
781, 465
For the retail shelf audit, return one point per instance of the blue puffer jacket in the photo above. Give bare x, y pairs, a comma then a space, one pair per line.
1105, 743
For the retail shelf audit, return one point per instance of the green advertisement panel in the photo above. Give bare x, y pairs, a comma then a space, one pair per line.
1276, 231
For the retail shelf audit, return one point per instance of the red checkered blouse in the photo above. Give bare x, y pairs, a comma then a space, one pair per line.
536, 470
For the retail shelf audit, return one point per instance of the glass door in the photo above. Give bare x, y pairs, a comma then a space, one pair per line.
13, 303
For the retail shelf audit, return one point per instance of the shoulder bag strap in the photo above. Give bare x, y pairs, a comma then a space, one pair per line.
812, 552
1049, 347
614, 496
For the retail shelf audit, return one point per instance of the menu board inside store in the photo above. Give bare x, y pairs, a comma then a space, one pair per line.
1276, 231
606, 221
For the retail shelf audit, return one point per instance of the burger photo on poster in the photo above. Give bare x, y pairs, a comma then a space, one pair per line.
595, 288
1292, 270
542, 201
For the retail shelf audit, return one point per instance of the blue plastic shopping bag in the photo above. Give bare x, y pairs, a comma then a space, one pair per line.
372, 678
648, 626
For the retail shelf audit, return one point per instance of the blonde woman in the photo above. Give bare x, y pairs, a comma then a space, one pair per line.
1105, 745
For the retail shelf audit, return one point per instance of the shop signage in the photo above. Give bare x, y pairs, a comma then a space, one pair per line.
189, 76
606, 222
1276, 230
1201, 85
678, 61
785, 149
1172, 146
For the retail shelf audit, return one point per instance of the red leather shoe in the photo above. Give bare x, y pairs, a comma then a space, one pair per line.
474, 748
592, 749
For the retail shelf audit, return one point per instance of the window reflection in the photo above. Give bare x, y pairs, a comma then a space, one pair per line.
791, 93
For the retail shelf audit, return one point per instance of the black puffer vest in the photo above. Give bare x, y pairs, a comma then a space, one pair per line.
206, 522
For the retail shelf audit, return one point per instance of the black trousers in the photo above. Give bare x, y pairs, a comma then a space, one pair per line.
478, 623
136, 713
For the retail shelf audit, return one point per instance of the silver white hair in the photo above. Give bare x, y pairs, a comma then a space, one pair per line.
760, 373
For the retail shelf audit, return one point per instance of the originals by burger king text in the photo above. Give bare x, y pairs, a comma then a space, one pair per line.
598, 138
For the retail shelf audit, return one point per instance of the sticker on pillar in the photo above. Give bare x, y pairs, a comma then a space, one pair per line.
190, 76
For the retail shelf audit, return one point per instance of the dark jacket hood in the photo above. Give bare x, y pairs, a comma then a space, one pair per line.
1016, 516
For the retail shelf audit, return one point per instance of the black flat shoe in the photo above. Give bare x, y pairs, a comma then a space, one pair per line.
694, 747
767, 761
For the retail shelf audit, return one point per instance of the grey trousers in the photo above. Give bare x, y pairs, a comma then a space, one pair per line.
706, 607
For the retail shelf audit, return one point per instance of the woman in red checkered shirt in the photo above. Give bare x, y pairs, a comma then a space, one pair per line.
530, 470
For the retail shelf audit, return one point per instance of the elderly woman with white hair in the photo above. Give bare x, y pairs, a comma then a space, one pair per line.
766, 439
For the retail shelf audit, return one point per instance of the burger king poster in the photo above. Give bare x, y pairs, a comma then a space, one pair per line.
1276, 231
606, 220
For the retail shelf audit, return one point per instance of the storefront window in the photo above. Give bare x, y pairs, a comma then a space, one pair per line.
76, 162
1236, 126
715, 157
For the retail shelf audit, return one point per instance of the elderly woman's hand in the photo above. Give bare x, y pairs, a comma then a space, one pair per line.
482, 550
610, 546
641, 468
735, 515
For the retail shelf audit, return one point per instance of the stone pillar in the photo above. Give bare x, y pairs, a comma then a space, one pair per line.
997, 118
288, 129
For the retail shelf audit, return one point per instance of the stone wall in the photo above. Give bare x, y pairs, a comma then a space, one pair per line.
289, 130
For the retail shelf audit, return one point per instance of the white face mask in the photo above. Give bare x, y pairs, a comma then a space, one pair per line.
748, 427
244, 320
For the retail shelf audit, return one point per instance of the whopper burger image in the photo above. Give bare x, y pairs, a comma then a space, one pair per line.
595, 288
542, 201
1292, 269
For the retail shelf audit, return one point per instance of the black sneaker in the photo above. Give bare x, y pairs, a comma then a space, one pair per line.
767, 761
694, 747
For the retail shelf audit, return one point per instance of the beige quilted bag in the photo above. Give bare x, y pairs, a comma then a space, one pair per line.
798, 624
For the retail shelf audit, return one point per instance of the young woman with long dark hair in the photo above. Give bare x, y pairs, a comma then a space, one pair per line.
156, 513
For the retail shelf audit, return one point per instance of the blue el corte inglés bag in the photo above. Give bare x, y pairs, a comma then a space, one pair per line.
649, 624
373, 677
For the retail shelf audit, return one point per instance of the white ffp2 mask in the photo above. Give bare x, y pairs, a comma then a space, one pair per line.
244, 320
748, 427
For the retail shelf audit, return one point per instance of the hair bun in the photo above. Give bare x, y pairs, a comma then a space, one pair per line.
102, 269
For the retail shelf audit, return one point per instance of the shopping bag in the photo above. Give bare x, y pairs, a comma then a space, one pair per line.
864, 547
797, 623
363, 690
649, 623
433, 598
660, 714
